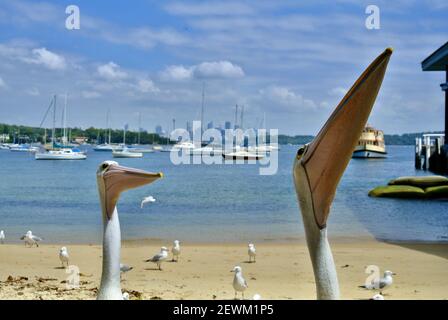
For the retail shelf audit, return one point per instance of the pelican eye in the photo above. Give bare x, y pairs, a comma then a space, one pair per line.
105, 165
300, 152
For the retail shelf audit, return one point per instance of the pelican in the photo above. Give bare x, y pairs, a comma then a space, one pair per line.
30, 239
2, 237
239, 283
112, 180
176, 250
63, 256
252, 252
319, 166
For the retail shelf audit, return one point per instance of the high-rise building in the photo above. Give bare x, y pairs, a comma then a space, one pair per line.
228, 125
210, 125
159, 130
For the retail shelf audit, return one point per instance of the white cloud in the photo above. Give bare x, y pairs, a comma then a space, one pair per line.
111, 71
338, 92
49, 59
204, 70
209, 8
219, 69
90, 94
146, 86
177, 73
287, 98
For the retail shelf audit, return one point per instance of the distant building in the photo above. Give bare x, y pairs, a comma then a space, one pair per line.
159, 130
228, 125
210, 125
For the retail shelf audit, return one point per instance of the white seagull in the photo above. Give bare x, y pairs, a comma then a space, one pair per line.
319, 166
252, 252
63, 256
149, 199
239, 283
160, 257
2, 237
112, 180
125, 268
379, 283
176, 250
30, 239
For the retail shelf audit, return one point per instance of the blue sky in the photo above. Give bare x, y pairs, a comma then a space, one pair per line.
290, 60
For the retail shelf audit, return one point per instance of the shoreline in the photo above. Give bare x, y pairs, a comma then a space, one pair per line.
282, 270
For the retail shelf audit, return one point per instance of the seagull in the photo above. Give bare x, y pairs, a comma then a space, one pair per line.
377, 297
125, 268
380, 284
252, 252
149, 199
239, 283
319, 166
176, 250
112, 180
2, 237
160, 257
30, 239
63, 256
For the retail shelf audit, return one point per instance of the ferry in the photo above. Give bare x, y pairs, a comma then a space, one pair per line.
371, 144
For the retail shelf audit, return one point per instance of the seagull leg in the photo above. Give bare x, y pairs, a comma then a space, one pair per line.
235, 296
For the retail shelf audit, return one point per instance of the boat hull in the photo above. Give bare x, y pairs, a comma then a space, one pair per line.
127, 155
44, 156
242, 156
369, 154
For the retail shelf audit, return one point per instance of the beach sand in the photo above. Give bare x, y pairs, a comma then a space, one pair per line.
282, 270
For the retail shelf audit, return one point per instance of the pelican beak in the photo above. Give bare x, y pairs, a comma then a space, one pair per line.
326, 157
118, 179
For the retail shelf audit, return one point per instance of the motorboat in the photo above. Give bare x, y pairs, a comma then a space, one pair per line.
126, 153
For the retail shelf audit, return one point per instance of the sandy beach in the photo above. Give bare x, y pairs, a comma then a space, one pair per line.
282, 270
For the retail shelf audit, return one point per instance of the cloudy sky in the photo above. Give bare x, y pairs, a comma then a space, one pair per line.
290, 60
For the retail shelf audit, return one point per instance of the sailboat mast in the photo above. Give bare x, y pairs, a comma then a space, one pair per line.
107, 122
236, 117
53, 131
242, 117
64, 139
202, 110
139, 126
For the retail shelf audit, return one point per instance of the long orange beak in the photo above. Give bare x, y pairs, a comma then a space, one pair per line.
118, 179
327, 156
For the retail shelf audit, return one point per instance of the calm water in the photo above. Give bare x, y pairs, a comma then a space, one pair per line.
58, 200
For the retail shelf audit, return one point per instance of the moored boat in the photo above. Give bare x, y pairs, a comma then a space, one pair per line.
371, 144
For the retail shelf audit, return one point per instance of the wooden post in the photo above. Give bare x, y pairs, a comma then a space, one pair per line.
446, 105
418, 153
427, 152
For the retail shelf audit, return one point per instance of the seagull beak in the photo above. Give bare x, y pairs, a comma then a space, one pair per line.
118, 179
327, 156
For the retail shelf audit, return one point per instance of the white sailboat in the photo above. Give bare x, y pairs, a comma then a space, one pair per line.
60, 153
126, 152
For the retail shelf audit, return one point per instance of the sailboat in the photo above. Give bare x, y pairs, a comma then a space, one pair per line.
107, 146
58, 152
125, 152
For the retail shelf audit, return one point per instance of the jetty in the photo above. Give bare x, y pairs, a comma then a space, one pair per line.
431, 151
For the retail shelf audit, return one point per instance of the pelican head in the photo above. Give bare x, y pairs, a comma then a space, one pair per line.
319, 166
63, 249
113, 179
